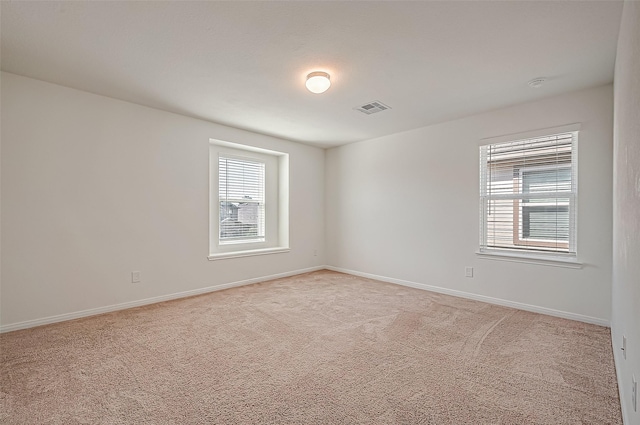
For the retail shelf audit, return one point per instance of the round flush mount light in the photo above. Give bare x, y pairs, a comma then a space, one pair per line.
536, 83
318, 82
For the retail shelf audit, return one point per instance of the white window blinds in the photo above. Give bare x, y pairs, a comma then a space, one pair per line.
528, 194
242, 197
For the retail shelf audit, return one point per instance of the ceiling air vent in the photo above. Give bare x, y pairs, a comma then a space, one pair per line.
372, 107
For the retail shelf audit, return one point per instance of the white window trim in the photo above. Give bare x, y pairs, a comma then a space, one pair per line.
557, 259
568, 261
277, 240
247, 253
543, 132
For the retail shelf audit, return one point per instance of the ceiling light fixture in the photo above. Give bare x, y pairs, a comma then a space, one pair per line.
318, 82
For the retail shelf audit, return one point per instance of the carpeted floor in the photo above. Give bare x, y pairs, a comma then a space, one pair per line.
321, 348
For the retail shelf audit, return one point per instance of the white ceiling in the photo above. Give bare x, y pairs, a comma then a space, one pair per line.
244, 63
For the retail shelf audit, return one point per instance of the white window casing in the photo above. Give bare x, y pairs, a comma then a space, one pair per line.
249, 201
528, 195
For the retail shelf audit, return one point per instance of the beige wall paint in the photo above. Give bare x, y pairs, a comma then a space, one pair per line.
626, 206
94, 188
406, 206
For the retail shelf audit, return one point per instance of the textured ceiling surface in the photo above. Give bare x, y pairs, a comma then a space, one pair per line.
244, 64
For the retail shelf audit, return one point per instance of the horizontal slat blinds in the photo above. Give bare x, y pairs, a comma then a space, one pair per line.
528, 191
242, 197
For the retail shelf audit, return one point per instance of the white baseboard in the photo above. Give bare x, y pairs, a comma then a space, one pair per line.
617, 360
456, 293
483, 298
122, 306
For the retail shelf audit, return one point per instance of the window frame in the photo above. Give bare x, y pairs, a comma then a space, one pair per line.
276, 201
542, 254
244, 240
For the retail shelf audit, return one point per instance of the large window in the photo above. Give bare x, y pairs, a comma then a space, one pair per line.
528, 195
249, 200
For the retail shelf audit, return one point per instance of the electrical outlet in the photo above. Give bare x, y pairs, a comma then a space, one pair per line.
624, 347
315, 252
468, 271
634, 393
135, 277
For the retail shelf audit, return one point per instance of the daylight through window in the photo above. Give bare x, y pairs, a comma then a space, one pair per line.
528, 195
242, 200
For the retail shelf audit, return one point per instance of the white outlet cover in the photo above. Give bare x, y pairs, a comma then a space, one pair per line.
135, 277
468, 271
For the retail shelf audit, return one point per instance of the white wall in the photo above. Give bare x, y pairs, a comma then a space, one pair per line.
94, 188
626, 206
406, 207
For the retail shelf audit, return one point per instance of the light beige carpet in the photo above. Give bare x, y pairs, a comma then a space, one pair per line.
320, 348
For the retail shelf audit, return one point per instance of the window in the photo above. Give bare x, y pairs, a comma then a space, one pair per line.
241, 194
528, 195
249, 201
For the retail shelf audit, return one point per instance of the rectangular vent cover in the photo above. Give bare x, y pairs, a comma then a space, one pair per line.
372, 107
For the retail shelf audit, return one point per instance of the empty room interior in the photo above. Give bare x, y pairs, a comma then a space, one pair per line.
305, 212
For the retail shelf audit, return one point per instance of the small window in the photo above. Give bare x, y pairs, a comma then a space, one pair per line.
249, 200
241, 193
528, 195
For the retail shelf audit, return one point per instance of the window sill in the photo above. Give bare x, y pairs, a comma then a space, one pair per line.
516, 257
247, 253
